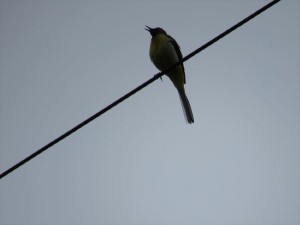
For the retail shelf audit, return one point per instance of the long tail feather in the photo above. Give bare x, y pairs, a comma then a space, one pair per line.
187, 110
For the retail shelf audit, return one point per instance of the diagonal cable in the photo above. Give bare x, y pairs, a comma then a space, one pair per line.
156, 76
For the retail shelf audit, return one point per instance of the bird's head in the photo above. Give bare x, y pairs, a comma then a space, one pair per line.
155, 31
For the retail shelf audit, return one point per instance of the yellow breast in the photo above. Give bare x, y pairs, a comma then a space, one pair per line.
163, 55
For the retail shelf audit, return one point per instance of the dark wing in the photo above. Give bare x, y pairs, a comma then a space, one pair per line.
178, 52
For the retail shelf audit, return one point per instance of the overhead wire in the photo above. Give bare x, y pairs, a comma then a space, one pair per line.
124, 97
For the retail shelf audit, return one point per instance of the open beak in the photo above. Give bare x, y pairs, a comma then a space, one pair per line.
148, 28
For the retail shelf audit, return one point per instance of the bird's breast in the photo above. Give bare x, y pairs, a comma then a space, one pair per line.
162, 52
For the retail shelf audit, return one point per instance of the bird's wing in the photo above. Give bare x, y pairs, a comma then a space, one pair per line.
178, 52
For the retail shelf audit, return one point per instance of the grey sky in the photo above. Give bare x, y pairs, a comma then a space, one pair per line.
140, 163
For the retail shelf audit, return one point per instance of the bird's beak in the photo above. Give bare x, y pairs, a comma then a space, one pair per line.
148, 28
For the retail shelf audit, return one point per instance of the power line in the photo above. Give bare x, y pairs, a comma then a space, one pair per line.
156, 76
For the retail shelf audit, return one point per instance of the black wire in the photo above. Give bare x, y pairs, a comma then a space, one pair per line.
156, 76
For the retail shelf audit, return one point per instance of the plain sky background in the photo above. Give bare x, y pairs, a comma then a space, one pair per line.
140, 163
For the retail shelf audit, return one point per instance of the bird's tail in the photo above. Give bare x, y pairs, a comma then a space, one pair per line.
187, 110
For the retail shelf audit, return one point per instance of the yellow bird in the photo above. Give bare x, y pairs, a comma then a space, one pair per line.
164, 52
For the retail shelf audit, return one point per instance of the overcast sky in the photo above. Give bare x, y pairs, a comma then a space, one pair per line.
140, 163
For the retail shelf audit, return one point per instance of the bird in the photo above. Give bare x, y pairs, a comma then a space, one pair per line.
165, 52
